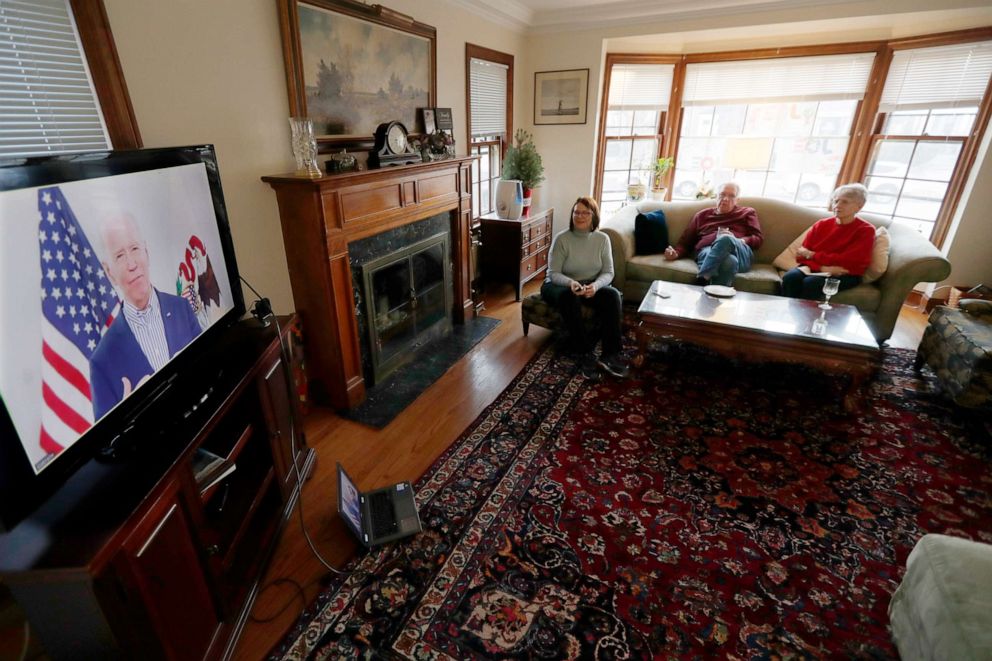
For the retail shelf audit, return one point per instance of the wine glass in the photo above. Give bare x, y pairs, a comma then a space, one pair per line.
830, 287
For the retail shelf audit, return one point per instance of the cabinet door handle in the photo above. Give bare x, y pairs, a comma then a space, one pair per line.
158, 528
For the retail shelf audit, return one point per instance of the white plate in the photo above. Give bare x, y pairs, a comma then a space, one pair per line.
719, 291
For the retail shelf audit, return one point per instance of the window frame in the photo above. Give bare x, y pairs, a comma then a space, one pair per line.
473, 51
108, 76
665, 120
865, 125
871, 128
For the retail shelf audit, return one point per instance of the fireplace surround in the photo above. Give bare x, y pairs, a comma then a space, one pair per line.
322, 217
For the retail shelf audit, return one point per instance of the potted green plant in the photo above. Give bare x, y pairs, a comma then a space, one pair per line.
661, 168
522, 162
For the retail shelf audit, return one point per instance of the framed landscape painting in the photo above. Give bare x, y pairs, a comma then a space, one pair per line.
352, 66
560, 96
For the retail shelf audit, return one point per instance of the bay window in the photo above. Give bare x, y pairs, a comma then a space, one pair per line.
778, 127
905, 117
636, 108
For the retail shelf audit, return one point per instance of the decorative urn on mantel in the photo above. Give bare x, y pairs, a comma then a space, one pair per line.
524, 163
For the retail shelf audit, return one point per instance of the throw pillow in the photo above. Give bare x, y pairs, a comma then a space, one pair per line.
879, 256
787, 258
650, 233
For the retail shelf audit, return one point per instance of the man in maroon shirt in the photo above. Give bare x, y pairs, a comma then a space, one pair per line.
724, 238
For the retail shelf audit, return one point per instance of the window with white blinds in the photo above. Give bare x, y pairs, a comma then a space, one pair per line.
640, 86
47, 101
488, 97
812, 78
939, 77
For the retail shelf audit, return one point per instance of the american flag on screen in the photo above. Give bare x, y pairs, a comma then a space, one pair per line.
78, 303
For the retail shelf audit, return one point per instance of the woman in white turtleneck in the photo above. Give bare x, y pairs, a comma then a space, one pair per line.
579, 274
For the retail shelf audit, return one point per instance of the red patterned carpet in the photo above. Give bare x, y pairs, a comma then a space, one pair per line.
698, 509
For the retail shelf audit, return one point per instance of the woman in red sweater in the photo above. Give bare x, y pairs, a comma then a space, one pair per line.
839, 247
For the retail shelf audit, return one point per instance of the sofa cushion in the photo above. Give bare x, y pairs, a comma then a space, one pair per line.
786, 259
761, 279
650, 233
879, 256
942, 609
655, 267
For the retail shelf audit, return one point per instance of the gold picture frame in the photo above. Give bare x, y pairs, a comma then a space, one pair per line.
352, 66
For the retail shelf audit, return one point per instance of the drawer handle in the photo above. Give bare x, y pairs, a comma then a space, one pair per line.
530, 267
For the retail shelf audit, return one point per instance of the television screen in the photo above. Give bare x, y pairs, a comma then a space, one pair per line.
111, 266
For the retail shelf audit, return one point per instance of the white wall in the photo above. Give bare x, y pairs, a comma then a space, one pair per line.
213, 72
968, 245
569, 151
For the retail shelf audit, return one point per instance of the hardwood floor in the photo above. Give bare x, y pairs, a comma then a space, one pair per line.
403, 451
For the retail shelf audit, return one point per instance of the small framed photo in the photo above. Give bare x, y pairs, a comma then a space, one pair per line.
443, 118
560, 96
429, 125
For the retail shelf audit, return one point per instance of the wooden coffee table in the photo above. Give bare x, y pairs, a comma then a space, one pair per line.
764, 328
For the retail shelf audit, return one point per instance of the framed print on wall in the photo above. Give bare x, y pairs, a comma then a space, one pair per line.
352, 66
560, 97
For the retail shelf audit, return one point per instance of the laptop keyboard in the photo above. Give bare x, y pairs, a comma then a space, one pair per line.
382, 515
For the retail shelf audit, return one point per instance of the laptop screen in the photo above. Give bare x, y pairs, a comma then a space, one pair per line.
349, 504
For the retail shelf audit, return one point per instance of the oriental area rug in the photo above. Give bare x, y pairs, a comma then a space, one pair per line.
698, 509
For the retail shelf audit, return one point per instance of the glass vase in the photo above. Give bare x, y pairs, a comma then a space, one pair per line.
304, 143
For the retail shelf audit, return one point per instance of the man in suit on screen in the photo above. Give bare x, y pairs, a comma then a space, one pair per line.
151, 327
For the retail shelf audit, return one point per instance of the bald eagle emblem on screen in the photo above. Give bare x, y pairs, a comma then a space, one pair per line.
197, 283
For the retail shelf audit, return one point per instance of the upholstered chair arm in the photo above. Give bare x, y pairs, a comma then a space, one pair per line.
976, 306
912, 259
620, 229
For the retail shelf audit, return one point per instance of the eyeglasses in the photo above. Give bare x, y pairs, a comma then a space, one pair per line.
581, 213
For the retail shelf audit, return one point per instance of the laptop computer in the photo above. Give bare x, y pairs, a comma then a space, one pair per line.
379, 516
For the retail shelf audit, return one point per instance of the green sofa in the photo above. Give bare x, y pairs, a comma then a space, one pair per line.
912, 259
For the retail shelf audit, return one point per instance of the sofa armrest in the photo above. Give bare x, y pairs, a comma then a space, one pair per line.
620, 228
912, 259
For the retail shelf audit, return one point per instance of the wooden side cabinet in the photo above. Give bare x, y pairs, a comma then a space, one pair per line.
515, 251
141, 560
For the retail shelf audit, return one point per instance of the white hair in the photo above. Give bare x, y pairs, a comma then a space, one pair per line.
856, 191
737, 187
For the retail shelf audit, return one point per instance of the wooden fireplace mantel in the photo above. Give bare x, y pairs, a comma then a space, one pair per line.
321, 216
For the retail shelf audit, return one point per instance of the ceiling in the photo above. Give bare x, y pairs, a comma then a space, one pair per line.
554, 15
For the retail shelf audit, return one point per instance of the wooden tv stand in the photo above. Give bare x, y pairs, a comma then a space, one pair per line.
137, 559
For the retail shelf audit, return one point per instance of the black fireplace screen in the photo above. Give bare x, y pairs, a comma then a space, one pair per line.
408, 300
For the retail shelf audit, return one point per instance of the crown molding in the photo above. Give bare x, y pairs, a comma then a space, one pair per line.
640, 12
508, 13
517, 15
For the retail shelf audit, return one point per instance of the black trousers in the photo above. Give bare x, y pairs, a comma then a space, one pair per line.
608, 306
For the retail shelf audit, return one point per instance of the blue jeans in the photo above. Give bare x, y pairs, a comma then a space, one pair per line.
723, 259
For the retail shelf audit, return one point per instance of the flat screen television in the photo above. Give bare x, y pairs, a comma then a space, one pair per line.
117, 270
